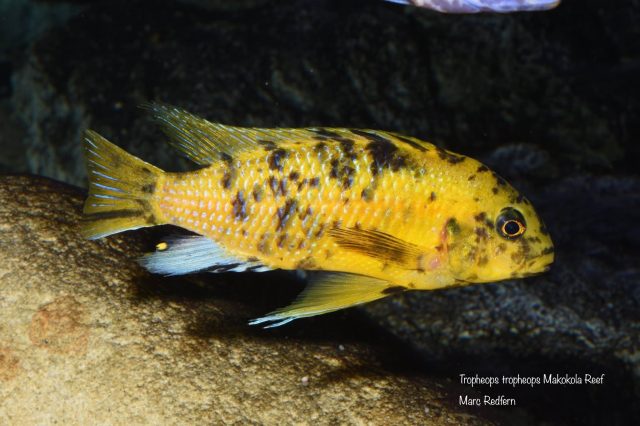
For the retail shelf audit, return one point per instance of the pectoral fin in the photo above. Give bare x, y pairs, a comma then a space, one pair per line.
330, 293
376, 244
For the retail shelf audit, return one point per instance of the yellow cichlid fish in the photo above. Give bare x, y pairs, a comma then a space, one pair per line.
383, 213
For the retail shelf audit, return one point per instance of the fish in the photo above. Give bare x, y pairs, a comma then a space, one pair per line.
478, 6
374, 213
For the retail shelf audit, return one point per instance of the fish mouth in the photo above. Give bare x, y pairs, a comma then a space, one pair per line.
542, 264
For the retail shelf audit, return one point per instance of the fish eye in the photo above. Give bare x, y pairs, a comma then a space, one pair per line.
510, 223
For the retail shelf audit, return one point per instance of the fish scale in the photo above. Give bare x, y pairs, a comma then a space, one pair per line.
383, 212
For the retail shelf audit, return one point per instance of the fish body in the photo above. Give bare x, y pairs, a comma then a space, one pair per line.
380, 211
478, 6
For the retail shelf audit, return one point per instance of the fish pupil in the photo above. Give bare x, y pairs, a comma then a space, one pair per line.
512, 228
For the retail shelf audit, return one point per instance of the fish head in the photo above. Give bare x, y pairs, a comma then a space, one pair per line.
497, 235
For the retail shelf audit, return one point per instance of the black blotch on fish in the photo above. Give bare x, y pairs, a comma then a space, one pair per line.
482, 168
367, 194
522, 254
432, 197
283, 186
494, 190
384, 154
410, 142
547, 250
483, 260
282, 239
226, 157
273, 184
305, 212
267, 145
334, 168
227, 178
394, 290
346, 148
517, 199
320, 148
286, 212
276, 159
452, 226
262, 243
325, 133
257, 193
278, 187
294, 176
239, 206
306, 263
482, 233
314, 182
302, 183
149, 188
449, 157
470, 178
499, 180
320, 232
224, 268
343, 172
480, 217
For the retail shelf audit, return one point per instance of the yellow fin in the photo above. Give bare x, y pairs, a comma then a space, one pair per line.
330, 293
206, 143
120, 189
378, 245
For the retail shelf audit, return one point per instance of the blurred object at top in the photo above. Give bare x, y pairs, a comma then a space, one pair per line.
476, 6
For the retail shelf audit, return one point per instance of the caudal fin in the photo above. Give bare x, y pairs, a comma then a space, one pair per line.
121, 189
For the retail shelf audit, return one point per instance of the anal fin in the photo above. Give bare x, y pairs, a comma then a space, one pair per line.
195, 253
329, 293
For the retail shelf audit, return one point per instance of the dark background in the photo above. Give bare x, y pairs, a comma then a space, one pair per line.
550, 100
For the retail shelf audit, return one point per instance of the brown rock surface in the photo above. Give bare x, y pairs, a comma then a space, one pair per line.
88, 337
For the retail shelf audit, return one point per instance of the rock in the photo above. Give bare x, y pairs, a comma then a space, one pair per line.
88, 337
26, 20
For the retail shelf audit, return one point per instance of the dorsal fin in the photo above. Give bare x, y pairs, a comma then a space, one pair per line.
206, 143
201, 141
